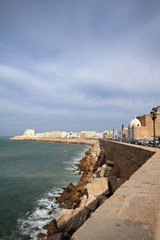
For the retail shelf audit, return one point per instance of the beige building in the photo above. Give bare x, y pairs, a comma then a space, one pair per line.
54, 134
108, 134
141, 127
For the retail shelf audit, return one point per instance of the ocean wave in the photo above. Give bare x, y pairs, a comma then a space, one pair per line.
46, 209
72, 164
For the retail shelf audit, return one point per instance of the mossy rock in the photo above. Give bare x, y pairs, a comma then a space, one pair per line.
52, 227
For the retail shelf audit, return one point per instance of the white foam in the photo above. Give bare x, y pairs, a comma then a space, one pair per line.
46, 209
71, 165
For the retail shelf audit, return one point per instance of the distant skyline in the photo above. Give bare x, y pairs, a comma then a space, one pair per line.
77, 65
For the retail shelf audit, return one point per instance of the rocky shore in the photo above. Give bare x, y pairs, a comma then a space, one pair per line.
58, 140
96, 184
76, 202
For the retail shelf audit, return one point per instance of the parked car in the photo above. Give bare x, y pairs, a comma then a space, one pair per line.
151, 143
144, 143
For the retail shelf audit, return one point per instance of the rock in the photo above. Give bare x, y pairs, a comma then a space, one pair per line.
75, 222
62, 217
57, 236
91, 169
52, 227
103, 170
70, 186
84, 201
41, 235
97, 187
75, 197
65, 199
85, 178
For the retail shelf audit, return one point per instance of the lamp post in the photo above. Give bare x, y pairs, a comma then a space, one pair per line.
153, 116
122, 131
109, 134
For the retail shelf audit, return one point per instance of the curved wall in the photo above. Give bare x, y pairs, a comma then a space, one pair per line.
133, 211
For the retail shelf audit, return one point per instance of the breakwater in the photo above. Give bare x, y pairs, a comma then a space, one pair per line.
58, 140
119, 198
70, 198
133, 210
32, 174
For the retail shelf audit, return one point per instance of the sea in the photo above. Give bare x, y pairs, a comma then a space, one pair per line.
32, 175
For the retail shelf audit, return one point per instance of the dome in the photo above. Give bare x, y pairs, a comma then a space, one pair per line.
135, 123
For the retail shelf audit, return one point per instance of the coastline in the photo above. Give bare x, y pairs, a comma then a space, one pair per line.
126, 176
76, 201
58, 140
73, 199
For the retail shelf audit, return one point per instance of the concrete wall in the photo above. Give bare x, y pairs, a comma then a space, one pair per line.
133, 211
127, 158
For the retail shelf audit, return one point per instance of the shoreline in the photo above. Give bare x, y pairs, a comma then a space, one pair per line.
57, 140
124, 178
76, 203
72, 199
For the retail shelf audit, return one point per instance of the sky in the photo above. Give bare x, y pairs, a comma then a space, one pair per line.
75, 65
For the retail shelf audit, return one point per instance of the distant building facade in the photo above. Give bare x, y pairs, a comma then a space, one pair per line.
108, 134
91, 134
29, 133
141, 127
53, 134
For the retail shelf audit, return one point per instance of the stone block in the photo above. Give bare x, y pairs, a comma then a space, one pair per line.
97, 187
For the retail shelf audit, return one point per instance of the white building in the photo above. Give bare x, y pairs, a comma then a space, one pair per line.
29, 133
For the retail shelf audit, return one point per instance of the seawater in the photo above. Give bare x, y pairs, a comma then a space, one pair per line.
32, 174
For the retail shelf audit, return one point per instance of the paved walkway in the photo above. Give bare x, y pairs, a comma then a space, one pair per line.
132, 213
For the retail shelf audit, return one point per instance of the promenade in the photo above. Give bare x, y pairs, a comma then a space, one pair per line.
133, 211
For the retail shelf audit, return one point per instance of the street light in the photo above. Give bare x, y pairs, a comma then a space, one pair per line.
153, 114
122, 131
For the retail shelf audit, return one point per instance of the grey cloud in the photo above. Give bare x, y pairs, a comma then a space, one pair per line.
91, 60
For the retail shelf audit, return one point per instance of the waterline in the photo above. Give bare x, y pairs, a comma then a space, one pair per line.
32, 175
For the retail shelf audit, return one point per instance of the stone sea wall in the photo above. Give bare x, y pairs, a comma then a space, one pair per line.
114, 197
133, 210
77, 203
117, 196
105, 167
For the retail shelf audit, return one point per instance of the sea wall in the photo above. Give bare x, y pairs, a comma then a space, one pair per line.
117, 196
127, 158
133, 211
115, 165
76, 202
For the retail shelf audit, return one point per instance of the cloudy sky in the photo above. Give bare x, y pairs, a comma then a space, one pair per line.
77, 65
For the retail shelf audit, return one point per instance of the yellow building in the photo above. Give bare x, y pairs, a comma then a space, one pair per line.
83, 135
54, 134
91, 134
